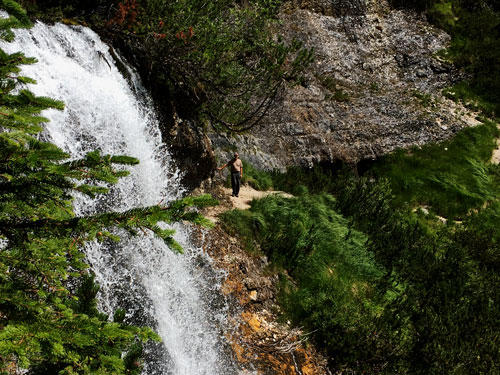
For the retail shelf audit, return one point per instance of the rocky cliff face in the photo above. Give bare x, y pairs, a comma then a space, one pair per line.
375, 86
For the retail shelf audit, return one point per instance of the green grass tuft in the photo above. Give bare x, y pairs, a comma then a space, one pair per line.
452, 177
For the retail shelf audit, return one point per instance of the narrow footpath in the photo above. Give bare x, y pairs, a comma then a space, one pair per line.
242, 202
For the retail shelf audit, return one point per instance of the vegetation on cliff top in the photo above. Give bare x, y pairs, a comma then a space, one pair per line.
451, 177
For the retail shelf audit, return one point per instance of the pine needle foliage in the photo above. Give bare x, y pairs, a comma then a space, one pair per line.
223, 52
49, 323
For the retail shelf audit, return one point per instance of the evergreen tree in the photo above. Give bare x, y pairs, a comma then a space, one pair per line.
48, 318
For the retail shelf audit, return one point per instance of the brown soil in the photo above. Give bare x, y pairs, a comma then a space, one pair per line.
261, 343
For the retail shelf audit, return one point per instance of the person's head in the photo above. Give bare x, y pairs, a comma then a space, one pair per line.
236, 155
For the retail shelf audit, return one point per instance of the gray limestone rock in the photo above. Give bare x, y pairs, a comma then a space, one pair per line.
374, 86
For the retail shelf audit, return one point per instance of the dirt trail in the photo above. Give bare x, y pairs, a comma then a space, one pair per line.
242, 202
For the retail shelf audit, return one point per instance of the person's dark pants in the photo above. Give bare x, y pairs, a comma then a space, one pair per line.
235, 182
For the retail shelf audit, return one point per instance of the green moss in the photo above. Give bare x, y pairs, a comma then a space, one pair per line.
442, 14
425, 99
335, 93
374, 87
473, 99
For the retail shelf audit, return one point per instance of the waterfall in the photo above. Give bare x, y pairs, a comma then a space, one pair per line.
177, 295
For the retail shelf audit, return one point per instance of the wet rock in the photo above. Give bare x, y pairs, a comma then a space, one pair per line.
192, 150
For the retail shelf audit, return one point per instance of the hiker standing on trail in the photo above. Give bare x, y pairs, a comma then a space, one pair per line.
236, 173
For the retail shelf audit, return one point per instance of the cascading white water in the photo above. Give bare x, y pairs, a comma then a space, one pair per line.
175, 294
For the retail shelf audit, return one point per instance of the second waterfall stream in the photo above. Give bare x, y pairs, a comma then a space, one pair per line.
177, 295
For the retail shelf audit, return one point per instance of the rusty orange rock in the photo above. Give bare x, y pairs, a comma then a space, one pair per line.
252, 320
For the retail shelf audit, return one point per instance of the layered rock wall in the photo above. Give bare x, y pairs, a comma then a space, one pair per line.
374, 86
